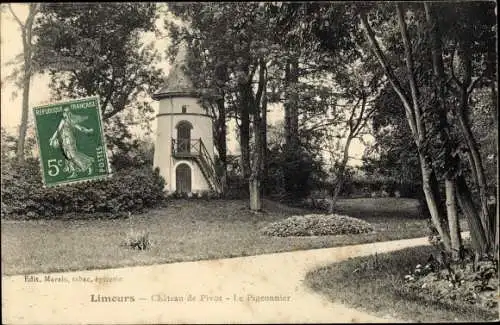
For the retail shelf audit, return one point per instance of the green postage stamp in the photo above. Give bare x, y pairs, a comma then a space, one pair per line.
71, 142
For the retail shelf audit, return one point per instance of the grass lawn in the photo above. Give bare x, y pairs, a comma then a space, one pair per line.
375, 288
185, 231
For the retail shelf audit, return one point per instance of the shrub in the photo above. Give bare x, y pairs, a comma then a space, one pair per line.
321, 204
129, 190
317, 225
237, 187
455, 283
364, 185
290, 174
197, 195
138, 240
139, 153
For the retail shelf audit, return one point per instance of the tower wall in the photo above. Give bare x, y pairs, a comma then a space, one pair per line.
169, 115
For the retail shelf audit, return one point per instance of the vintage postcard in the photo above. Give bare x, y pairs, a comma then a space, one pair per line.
253, 162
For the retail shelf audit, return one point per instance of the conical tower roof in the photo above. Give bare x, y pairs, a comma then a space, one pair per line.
177, 83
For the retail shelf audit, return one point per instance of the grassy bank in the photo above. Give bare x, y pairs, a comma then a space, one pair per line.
188, 230
374, 284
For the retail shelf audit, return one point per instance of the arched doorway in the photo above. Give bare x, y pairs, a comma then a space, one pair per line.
184, 137
183, 178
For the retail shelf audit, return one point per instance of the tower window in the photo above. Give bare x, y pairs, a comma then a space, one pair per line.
184, 108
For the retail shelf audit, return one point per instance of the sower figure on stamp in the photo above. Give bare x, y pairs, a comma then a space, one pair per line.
64, 138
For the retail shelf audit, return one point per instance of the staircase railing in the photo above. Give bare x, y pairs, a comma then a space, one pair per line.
190, 148
185, 147
209, 166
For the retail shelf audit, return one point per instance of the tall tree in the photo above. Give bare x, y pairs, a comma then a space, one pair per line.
358, 84
96, 49
212, 68
431, 127
471, 43
414, 114
300, 63
28, 69
405, 44
259, 129
232, 49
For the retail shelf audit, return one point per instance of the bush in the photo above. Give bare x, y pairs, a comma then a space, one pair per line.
237, 187
203, 195
138, 240
317, 225
291, 175
455, 283
140, 153
379, 284
321, 204
129, 190
364, 186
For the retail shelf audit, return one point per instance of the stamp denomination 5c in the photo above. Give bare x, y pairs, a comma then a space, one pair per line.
71, 142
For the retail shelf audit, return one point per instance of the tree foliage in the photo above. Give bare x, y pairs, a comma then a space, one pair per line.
433, 56
232, 49
430, 104
96, 50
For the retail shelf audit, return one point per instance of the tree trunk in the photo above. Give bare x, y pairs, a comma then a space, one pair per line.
287, 106
430, 185
291, 120
340, 174
433, 202
294, 109
256, 174
259, 133
246, 100
337, 189
26, 33
462, 192
245, 142
290, 105
477, 170
221, 75
222, 144
222, 133
264, 141
23, 127
475, 161
255, 195
497, 214
477, 233
417, 127
497, 226
453, 221
494, 100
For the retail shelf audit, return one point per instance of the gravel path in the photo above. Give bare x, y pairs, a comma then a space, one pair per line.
256, 289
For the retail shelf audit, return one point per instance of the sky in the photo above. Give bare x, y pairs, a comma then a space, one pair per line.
11, 46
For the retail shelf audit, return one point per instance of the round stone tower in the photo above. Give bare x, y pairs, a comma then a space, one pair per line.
184, 149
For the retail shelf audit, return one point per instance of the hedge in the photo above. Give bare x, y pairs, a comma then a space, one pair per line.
129, 190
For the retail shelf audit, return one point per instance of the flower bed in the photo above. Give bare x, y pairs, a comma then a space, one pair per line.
317, 225
381, 285
456, 284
